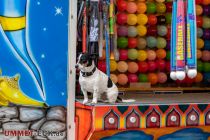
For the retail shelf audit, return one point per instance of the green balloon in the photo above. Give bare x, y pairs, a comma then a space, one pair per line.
206, 22
168, 55
200, 66
133, 54
122, 42
161, 42
168, 18
143, 78
151, 8
151, 41
206, 67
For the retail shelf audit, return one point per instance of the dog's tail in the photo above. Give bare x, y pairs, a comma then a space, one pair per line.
125, 101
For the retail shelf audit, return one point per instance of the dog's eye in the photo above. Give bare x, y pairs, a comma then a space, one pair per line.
84, 61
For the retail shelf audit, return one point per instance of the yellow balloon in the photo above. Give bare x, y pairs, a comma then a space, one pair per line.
142, 55
200, 43
132, 19
113, 65
142, 19
142, 30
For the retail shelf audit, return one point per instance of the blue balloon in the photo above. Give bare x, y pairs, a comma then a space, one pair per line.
151, 41
206, 77
207, 44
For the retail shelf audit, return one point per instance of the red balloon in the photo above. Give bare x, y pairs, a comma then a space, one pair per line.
132, 42
121, 5
161, 64
168, 35
199, 21
152, 66
132, 78
121, 18
198, 1
169, 7
152, 20
188, 80
152, 30
102, 66
143, 67
168, 66
123, 54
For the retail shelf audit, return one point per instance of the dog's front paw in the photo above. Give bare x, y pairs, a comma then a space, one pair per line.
94, 101
85, 101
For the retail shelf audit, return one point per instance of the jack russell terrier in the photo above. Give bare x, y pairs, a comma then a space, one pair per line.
93, 80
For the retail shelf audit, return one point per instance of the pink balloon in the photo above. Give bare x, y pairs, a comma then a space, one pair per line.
205, 55
132, 78
162, 77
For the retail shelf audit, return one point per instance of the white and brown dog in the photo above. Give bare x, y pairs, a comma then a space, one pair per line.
93, 80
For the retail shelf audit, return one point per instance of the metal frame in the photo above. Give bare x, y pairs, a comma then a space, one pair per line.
72, 21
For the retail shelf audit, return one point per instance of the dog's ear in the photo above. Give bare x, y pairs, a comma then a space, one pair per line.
93, 56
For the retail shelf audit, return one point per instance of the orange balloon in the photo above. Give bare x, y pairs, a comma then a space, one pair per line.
199, 77
151, 55
133, 67
122, 66
153, 79
113, 77
200, 43
205, 2
199, 54
141, 7
122, 79
161, 53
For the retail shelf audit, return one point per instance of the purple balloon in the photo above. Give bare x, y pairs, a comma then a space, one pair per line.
122, 31
206, 34
168, 46
206, 10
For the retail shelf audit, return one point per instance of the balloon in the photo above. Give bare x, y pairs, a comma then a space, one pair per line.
143, 67
113, 65
206, 78
122, 42
169, 7
143, 78
133, 67
122, 18
142, 19
102, 66
168, 35
199, 21
121, 5
168, 55
161, 42
206, 22
122, 31
206, 9
199, 77
141, 7
151, 8
162, 77
132, 43
199, 10
161, 64
199, 54
206, 67
132, 31
207, 44
151, 41
152, 66
123, 54
205, 55
206, 34
132, 78
160, 8
162, 30
132, 19
199, 32
153, 79
141, 43
168, 18
131, 7
142, 30
151, 55
168, 66
161, 19
122, 79
152, 31
198, 1
132, 54
205, 2
113, 77
152, 20
161, 53
199, 66
142, 55
200, 43
122, 66
160, 1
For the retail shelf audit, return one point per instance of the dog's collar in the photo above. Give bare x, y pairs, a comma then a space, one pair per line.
86, 74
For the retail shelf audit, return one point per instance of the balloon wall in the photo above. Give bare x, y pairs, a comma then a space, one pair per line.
144, 31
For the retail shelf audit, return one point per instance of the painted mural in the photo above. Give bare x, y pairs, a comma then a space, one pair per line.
33, 52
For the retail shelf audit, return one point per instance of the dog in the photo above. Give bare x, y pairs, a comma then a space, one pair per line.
93, 80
